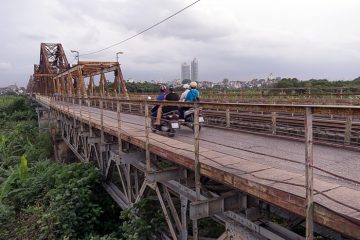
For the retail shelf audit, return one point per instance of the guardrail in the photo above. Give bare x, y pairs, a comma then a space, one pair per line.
334, 125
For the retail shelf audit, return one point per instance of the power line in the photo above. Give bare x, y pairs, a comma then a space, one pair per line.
141, 32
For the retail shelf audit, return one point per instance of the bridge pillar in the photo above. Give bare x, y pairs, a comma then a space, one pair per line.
91, 86
121, 82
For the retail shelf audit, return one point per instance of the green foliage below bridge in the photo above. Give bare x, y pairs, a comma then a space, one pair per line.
43, 199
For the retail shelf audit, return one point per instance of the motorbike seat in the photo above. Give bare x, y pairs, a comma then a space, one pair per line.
171, 112
190, 111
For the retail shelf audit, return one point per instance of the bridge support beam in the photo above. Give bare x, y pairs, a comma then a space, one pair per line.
208, 208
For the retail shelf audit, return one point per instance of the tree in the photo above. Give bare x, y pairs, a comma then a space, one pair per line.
186, 81
225, 81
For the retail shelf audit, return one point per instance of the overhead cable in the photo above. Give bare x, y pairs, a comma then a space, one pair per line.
141, 32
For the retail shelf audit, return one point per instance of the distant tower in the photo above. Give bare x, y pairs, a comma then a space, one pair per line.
185, 71
194, 70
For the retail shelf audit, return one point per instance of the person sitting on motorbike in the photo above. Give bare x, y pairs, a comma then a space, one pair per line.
184, 94
171, 96
161, 97
192, 96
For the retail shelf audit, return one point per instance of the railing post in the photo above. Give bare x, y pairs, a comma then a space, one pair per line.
102, 137
80, 103
348, 125
68, 107
309, 161
228, 118
341, 93
147, 157
90, 128
119, 126
273, 123
197, 166
73, 102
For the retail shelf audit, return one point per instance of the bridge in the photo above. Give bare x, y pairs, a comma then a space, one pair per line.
243, 177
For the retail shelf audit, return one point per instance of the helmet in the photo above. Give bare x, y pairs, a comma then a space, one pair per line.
186, 86
162, 88
193, 84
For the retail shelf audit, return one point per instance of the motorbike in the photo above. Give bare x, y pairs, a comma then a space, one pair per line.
169, 122
189, 119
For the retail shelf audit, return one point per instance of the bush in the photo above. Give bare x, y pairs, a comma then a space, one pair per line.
143, 221
58, 201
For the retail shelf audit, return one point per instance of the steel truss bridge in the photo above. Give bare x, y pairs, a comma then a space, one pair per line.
243, 181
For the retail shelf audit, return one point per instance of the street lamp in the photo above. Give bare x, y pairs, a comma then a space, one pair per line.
117, 60
117, 56
77, 54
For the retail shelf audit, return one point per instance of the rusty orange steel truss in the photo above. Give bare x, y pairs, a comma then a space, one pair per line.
54, 75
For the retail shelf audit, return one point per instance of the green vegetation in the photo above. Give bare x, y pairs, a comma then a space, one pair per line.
145, 87
294, 82
289, 88
43, 199
143, 221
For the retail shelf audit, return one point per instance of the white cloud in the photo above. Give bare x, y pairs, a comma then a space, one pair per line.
231, 38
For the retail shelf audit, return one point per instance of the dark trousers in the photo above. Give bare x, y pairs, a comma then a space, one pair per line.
182, 110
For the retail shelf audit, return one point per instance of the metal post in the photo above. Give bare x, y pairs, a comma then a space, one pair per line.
148, 167
309, 161
341, 93
273, 123
184, 204
73, 102
228, 118
102, 134
197, 145
348, 125
195, 230
90, 128
119, 126
80, 103
197, 167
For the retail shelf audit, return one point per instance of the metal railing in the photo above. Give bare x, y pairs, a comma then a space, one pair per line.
340, 127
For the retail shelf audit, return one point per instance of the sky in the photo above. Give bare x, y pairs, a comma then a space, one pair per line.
234, 39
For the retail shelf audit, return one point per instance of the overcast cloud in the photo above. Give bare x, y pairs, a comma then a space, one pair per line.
234, 39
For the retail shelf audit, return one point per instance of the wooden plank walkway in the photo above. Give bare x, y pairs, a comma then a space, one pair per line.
337, 205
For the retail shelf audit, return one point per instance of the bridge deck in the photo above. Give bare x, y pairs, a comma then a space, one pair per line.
253, 164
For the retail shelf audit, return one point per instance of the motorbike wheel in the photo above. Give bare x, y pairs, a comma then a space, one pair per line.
154, 128
171, 133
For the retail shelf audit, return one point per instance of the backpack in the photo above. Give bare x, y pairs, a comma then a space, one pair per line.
192, 96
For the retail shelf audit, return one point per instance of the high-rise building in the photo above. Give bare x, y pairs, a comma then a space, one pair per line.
194, 70
185, 71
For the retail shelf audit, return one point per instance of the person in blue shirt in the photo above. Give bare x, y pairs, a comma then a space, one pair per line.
160, 97
192, 96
